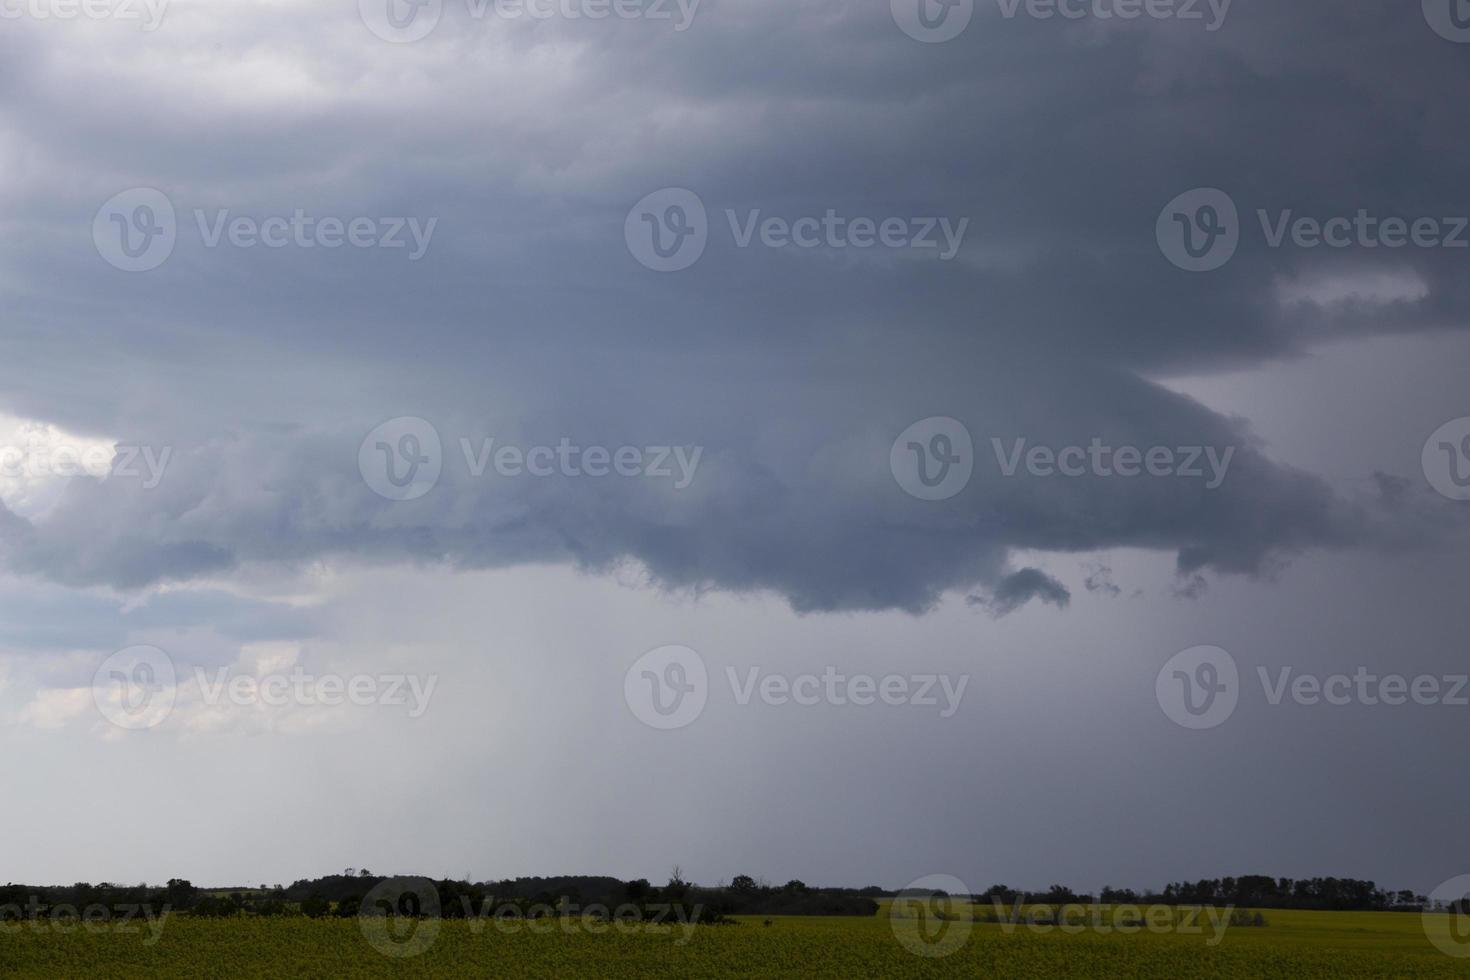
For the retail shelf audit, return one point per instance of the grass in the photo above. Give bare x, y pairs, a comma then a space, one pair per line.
1338, 945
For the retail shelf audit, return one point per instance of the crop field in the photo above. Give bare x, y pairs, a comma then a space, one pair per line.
1293, 945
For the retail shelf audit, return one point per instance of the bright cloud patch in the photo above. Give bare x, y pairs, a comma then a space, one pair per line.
37, 459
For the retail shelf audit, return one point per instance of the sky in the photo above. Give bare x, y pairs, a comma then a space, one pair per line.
847, 441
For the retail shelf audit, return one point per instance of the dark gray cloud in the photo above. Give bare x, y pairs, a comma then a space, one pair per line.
528, 320
1019, 588
1100, 579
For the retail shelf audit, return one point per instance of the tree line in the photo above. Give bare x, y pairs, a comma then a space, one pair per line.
344, 895
1246, 891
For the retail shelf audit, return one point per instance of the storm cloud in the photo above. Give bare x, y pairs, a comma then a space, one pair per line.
527, 320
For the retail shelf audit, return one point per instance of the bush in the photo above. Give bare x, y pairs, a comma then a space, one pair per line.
1249, 920
315, 906
215, 907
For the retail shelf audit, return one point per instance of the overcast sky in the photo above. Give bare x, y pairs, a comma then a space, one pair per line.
273, 275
